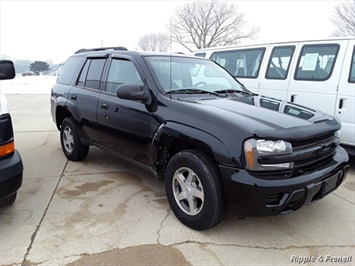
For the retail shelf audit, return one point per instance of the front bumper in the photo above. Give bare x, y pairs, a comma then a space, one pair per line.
250, 195
11, 170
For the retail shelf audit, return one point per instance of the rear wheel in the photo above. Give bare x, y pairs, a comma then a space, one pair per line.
69, 138
8, 200
194, 190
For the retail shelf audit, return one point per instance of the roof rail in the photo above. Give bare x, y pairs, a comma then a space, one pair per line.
101, 49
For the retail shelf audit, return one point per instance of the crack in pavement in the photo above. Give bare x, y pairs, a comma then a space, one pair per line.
24, 262
344, 199
259, 247
155, 254
161, 226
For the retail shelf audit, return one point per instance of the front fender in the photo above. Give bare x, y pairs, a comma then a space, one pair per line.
191, 137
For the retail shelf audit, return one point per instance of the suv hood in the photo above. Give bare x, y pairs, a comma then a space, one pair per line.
272, 118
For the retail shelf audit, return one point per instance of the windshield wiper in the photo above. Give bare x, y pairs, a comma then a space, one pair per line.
192, 91
235, 91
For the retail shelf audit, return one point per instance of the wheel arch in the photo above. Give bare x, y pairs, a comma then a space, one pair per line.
61, 114
171, 138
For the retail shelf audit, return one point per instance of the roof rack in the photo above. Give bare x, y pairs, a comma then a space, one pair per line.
101, 49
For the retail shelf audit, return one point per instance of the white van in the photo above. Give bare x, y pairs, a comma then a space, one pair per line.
11, 167
319, 74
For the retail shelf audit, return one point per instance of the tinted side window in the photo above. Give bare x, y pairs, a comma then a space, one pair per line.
279, 62
240, 63
83, 74
93, 78
67, 73
122, 72
316, 62
352, 69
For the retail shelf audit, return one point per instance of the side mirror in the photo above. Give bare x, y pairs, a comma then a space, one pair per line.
7, 69
134, 92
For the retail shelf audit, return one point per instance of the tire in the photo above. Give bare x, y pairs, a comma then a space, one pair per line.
8, 200
69, 138
194, 191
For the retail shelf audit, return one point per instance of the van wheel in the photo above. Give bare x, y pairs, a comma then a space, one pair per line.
8, 200
69, 138
194, 190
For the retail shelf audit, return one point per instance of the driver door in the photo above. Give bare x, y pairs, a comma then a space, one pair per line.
123, 125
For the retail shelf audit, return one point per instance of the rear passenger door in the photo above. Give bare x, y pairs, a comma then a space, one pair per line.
316, 75
345, 103
85, 94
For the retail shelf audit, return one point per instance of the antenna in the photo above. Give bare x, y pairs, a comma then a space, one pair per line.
171, 66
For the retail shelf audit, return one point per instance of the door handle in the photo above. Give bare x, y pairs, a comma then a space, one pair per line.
341, 102
293, 97
104, 106
74, 97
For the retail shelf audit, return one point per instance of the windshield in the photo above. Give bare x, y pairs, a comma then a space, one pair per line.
185, 73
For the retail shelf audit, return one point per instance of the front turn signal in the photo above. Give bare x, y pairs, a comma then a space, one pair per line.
249, 154
7, 148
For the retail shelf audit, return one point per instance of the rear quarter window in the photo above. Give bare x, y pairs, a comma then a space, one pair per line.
68, 71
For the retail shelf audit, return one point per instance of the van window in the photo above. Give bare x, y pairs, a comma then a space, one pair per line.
316, 62
279, 62
269, 104
352, 69
299, 112
240, 63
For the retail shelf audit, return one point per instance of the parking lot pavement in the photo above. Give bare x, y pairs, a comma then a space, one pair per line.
105, 211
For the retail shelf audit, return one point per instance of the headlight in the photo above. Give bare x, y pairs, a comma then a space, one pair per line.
258, 152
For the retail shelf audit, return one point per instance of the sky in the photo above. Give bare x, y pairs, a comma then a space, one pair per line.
53, 30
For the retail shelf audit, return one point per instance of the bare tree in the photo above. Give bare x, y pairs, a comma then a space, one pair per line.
159, 42
213, 23
344, 19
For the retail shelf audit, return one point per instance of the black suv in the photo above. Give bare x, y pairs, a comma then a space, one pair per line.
216, 145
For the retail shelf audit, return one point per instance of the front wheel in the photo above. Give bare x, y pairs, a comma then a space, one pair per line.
69, 138
194, 190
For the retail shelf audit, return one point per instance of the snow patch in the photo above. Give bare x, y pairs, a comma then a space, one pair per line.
28, 85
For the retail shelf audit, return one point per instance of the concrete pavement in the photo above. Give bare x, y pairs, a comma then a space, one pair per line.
104, 211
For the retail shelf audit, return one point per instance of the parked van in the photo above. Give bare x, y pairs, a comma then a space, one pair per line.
11, 167
319, 74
